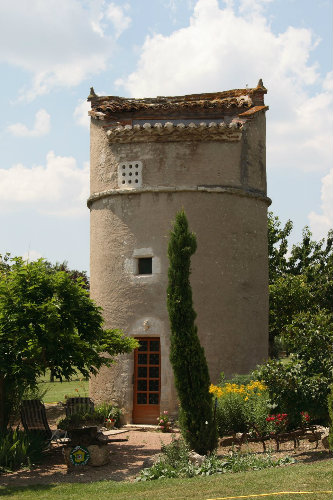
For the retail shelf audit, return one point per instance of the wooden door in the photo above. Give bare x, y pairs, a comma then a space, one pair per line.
147, 381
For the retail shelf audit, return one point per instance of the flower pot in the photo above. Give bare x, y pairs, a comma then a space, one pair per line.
109, 425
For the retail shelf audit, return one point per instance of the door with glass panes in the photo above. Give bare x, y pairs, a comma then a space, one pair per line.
147, 381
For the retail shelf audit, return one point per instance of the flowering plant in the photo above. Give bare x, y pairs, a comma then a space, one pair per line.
109, 422
254, 388
241, 407
280, 421
305, 418
164, 422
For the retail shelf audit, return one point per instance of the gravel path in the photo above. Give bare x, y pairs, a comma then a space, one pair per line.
126, 460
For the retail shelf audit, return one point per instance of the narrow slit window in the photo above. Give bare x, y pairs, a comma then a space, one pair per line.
145, 265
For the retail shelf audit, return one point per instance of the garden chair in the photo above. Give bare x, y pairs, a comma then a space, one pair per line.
79, 405
33, 416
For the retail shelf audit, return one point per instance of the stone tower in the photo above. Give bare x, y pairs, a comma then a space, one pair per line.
150, 158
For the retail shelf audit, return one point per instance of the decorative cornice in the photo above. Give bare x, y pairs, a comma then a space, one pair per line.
170, 132
243, 192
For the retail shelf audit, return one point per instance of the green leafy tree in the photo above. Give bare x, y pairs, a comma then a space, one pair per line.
74, 274
314, 260
288, 296
277, 247
309, 337
302, 383
300, 315
186, 354
298, 283
48, 321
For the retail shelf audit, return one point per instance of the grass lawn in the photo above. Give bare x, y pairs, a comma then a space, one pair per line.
304, 477
56, 391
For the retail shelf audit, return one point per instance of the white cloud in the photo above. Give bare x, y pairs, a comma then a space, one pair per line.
81, 114
252, 7
59, 43
58, 188
41, 126
225, 48
321, 223
118, 17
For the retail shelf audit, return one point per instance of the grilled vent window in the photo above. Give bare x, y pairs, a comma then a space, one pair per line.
145, 265
130, 174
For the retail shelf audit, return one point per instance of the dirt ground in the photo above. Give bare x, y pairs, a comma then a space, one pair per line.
128, 457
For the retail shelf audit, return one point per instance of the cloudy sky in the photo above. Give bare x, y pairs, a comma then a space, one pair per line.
52, 51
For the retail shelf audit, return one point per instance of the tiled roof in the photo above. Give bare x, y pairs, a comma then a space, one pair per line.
239, 100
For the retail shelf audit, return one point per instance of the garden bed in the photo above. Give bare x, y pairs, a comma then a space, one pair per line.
129, 457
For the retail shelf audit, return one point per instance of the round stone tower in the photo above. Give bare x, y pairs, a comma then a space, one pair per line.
150, 158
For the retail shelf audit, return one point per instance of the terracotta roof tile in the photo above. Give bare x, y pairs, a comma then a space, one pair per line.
239, 100
253, 110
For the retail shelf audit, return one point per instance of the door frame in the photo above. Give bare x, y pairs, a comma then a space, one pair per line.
146, 413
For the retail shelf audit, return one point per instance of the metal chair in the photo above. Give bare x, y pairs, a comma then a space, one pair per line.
34, 420
79, 406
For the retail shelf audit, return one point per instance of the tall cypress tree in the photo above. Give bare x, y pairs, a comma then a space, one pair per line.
186, 354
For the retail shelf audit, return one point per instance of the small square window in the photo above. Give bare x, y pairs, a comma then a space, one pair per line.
145, 265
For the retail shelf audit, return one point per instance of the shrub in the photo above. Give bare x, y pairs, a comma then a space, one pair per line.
107, 410
174, 462
302, 384
18, 449
293, 391
236, 378
231, 414
98, 417
241, 408
164, 422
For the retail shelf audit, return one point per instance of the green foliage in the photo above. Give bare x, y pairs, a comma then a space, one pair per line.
163, 422
288, 296
48, 321
258, 408
309, 337
300, 320
97, 417
277, 246
292, 390
175, 462
186, 354
231, 414
80, 277
302, 383
299, 283
107, 410
18, 449
330, 411
242, 408
236, 378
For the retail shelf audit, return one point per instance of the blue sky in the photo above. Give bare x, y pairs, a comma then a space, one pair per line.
51, 52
